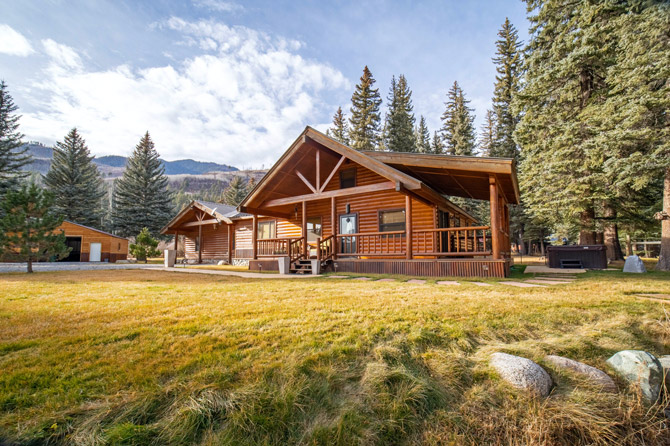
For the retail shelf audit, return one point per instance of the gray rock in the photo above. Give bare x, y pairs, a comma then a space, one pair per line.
596, 376
641, 369
522, 373
634, 265
221, 262
665, 364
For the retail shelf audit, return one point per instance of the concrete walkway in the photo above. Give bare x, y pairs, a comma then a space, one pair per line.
248, 275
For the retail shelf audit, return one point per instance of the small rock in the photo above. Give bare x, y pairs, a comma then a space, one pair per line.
595, 375
416, 281
639, 368
522, 373
665, 364
634, 265
222, 262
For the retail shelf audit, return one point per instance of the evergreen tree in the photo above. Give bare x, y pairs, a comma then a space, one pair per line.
458, 130
235, 192
365, 116
400, 119
422, 136
436, 146
145, 246
340, 128
508, 66
487, 140
12, 157
75, 181
141, 196
28, 225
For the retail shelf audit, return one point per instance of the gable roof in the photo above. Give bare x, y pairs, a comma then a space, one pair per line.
219, 211
94, 229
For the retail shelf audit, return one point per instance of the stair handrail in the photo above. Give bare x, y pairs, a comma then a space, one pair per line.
295, 250
325, 251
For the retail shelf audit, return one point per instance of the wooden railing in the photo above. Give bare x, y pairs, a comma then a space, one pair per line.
295, 249
460, 241
378, 244
325, 249
272, 247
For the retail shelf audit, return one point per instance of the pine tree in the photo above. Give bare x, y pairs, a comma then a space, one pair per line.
145, 246
508, 66
12, 157
141, 196
436, 146
487, 140
235, 192
28, 226
75, 181
365, 116
340, 128
458, 124
422, 136
400, 119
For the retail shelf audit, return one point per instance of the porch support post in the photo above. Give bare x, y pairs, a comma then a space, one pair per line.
495, 217
304, 229
254, 236
176, 242
333, 225
230, 244
200, 244
408, 227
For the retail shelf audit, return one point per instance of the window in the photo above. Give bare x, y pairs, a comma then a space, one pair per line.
267, 229
313, 228
348, 178
393, 220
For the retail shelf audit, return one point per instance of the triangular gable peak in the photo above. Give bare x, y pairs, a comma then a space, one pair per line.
198, 211
307, 171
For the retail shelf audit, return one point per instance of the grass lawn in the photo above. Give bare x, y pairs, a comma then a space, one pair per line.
150, 357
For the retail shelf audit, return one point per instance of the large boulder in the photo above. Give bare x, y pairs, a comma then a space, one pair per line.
594, 375
634, 264
641, 369
665, 364
522, 373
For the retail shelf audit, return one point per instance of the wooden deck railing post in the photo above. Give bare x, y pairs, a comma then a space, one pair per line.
495, 218
254, 237
318, 249
408, 227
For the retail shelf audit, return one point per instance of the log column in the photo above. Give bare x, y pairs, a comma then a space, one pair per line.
408, 227
200, 243
176, 242
305, 249
333, 225
495, 217
254, 236
230, 244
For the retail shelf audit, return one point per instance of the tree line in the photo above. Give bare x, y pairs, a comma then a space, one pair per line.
583, 108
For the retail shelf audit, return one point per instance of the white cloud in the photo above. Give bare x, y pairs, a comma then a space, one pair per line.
240, 100
218, 5
13, 43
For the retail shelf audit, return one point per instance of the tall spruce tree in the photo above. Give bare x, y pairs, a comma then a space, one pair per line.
340, 128
436, 145
458, 130
365, 115
400, 119
75, 181
12, 157
508, 66
235, 192
422, 136
141, 196
487, 139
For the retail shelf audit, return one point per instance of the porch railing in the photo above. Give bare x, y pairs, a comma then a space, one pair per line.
459, 241
325, 248
272, 247
378, 244
296, 249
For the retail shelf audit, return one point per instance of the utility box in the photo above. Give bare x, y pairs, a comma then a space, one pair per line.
169, 257
577, 256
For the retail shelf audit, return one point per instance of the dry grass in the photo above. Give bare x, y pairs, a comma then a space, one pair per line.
148, 357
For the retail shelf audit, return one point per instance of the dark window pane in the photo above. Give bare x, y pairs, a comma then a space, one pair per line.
348, 178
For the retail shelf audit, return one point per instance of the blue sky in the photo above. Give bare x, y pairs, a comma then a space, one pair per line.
234, 82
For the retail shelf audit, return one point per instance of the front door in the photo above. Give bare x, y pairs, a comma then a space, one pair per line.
348, 225
96, 251
443, 239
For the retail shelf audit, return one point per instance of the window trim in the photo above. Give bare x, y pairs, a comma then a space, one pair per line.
273, 233
379, 219
349, 169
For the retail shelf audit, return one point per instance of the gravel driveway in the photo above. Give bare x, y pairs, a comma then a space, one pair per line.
70, 266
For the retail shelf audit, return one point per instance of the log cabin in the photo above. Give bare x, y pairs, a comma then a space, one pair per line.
326, 204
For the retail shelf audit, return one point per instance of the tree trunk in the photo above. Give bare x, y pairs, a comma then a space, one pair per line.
587, 235
30, 265
664, 258
611, 234
522, 244
629, 246
542, 246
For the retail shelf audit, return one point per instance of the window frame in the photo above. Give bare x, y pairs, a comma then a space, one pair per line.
380, 225
273, 230
350, 169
